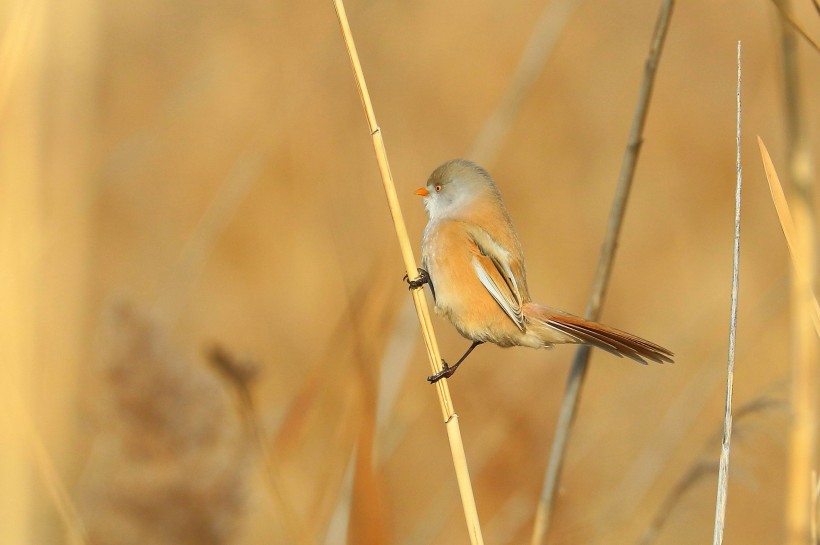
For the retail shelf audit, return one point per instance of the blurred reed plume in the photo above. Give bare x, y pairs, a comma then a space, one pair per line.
168, 464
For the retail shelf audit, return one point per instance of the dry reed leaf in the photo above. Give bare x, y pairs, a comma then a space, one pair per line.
170, 462
787, 225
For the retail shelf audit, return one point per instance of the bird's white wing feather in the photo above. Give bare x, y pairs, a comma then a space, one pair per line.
493, 270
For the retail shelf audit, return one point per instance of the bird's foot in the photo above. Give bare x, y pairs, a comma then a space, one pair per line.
423, 279
446, 372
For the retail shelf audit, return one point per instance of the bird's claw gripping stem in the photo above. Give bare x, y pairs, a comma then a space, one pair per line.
446, 372
424, 278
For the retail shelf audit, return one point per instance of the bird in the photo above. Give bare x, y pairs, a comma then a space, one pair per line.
473, 262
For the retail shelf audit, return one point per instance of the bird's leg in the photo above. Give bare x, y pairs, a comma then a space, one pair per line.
424, 278
447, 371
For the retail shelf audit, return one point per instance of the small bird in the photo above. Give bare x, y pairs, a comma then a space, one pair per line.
473, 261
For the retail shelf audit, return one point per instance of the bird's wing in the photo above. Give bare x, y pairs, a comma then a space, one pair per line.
501, 274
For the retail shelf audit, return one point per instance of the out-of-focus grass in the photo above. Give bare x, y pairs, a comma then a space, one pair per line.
119, 134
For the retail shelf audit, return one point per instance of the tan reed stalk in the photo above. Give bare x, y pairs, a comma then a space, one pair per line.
726, 443
22, 62
803, 432
572, 393
448, 412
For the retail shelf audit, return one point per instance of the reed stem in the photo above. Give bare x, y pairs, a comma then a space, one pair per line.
572, 393
723, 471
450, 417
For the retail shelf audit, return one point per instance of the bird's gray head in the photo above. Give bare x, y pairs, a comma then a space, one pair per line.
455, 185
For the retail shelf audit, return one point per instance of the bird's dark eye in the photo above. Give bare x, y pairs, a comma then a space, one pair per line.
438, 189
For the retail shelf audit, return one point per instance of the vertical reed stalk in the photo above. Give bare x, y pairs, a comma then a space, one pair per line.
723, 472
803, 433
448, 412
22, 56
572, 393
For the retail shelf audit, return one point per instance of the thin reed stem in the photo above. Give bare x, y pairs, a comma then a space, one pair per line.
572, 392
723, 472
450, 417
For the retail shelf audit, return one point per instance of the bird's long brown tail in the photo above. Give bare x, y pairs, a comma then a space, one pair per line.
555, 326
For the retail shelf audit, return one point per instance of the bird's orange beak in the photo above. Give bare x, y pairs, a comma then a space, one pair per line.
422, 192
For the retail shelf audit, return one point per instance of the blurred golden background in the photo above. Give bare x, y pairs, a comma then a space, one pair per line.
176, 176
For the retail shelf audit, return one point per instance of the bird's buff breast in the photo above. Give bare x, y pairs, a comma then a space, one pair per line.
447, 253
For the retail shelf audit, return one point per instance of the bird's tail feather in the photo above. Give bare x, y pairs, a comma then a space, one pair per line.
577, 330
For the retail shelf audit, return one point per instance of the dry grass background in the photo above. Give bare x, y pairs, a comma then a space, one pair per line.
178, 174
